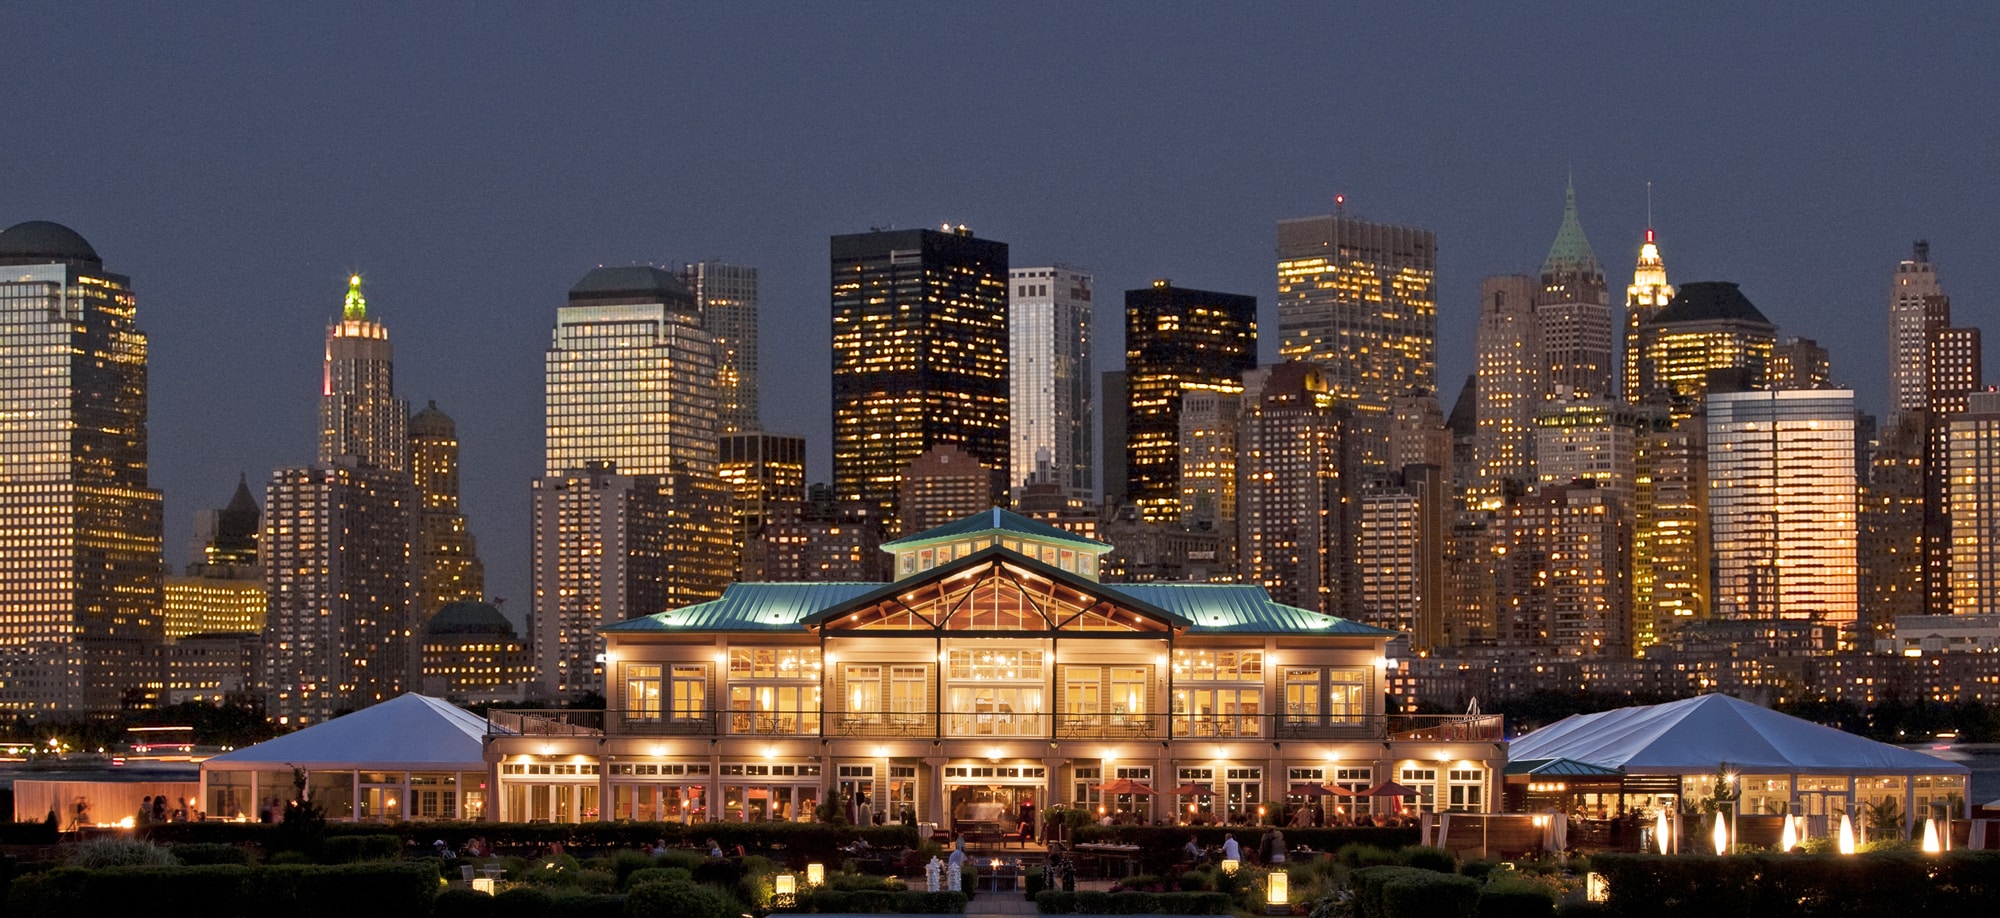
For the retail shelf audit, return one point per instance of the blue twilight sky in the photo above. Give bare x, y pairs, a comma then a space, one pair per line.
473, 160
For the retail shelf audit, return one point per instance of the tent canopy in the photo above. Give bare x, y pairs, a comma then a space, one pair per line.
1700, 734
406, 733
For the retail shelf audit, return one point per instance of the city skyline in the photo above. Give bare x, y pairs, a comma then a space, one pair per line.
435, 199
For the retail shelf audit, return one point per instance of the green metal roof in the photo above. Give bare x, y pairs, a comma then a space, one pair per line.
1560, 768
997, 520
1240, 608
749, 607
1570, 253
987, 555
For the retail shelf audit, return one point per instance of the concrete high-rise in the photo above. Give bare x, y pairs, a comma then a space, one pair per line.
1360, 299
1512, 381
1573, 311
597, 562
1783, 505
1591, 439
725, 296
1670, 530
944, 484
1648, 294
80, 527
1916, 305
1208, 453
630, 377
1563, 580
448, 569
337, 539
1051, 399
1291, 470
919, 354
1710, 329
1402, 525
1800, 363
1975, 505
1177, 340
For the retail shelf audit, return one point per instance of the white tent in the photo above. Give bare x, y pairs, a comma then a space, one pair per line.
1700, 734
410, 757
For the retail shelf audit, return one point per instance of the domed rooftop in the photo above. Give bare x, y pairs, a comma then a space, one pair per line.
41, 242
432, 422
469, 618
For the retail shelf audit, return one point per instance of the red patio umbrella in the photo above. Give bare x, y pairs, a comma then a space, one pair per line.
1390, 789
1195, 790
1339, 791
1309, 790
1124, 786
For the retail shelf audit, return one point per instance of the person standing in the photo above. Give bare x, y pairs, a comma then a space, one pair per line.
1271, 848
1231, 850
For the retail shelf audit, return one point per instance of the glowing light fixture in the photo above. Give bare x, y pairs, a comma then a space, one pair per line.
1721, 835
1277, 892
1663, 832
483, 884
1790, 838
1931, 843
1846, 842
815, 874
1229, 866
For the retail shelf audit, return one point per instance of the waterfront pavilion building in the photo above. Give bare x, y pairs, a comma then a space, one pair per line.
994, 675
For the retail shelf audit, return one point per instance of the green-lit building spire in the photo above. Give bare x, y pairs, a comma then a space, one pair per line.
1571, 251
356, 308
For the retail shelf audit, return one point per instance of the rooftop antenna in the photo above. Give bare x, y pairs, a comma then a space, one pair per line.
1649, 210
1340, 205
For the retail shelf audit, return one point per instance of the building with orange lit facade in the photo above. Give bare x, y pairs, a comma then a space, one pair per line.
1177, 341
994, 671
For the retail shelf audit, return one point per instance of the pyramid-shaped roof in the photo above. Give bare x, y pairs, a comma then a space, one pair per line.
1570, 253
1698, 735
998, 520
406, 733
1710, 301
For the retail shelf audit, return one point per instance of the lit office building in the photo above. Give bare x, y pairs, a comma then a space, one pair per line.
919, 355
1917, 305
447, 558
1648, 294
1800, 363
1709, 328
471, 654
212, 605
1360, 299
1051, 399
1177, 341
361, 421
725, 296
1292, 469
1208, 464
1563, 580
81, 564
760, 469
1587, 440
817, 539
1892, 525
944, 484
1402, 525
995, 672
1975, 506
1573, 311
1782, 505
1670, 531
1512, 381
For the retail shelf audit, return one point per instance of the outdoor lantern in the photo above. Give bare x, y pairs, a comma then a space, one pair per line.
1846, 834
1277, 892
1721, 835
1931, 844
1594, 887
483, 884
785, 884
1662, 831
996, 864
1229, 866
815, 874
1790, 839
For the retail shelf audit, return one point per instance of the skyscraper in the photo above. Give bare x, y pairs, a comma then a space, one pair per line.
337, 538
1563, 580
1290, 497
1916, 305
1782, 504
759, 470
80, 560
447, 562
1402, 527
223, 589
1177, 340
1359, 298
1208, 451
1648, 294
1053, 411
1512, 380
1591, 439
630, 377
1800, 363
1670, 530
1709, 328
726, 298
1573, 310
360, 416
944, 484
919, 354
1975, 506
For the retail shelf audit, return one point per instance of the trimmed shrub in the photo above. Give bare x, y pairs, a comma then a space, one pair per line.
1436, 859
462, 903
1133, 903
1055, 902
116, 852
1360, 856
198, 853
521, 902
659, 875
348, 849
724, 873
588, 905
1515, 900
679, 900
1428, 894
402, 890
1582, 909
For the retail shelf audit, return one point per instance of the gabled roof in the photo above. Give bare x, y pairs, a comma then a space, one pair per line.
408, 732
1710, 301
1559, 768
991, 555
749, 607
1238, 608
996, 520
1698, 735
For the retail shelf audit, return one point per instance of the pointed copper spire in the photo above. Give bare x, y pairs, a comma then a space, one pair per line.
1570, 253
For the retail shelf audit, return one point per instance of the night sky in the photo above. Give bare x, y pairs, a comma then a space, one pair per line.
473, 161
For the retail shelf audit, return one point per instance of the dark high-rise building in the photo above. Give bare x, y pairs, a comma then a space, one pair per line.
1177, 340
1710, 328
760, 469
726, 296
80, 528
447, 558
1293, 474
1800, 363
919, 354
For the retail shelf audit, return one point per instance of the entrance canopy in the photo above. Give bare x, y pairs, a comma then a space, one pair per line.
1699, 735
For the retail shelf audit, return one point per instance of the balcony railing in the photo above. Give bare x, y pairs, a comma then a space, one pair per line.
996, 725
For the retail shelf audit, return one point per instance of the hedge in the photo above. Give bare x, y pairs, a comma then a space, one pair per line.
586, 906
1778, 886
1502, 902
198, 853
346, 849
379, 890
1411, 892
680, 900
462, 903
801, 841
1161, 845
881, 901
1056, 902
